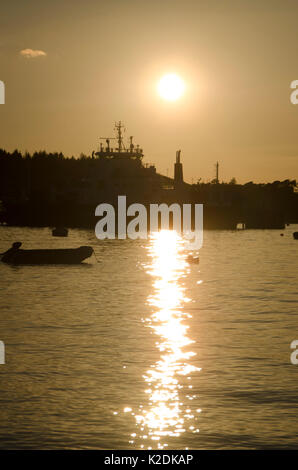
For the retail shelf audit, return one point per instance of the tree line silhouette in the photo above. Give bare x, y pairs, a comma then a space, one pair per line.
42, 189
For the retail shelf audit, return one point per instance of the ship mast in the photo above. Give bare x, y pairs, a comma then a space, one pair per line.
119, 126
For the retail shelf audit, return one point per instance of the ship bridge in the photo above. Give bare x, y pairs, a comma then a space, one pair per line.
133, 152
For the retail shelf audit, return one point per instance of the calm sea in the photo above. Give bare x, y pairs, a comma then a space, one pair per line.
140, 349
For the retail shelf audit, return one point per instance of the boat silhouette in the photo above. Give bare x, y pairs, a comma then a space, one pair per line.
46, 256
60, 232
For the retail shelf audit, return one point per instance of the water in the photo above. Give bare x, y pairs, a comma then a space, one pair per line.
144, 350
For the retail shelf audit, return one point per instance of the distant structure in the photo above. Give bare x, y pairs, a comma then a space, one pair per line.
216, 173
133, 152
178, 171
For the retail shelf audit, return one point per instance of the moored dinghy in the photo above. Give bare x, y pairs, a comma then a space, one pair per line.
48, 256
60, 232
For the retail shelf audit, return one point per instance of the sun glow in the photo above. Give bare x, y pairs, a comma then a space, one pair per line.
171, 87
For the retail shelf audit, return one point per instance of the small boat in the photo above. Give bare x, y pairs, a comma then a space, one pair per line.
295, 235
60, 232
48, 256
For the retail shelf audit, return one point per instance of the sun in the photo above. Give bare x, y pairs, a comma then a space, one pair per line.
171, 87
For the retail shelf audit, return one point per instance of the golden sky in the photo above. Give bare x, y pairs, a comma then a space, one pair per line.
72, 68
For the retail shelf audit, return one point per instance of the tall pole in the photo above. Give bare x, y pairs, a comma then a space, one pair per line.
216, 175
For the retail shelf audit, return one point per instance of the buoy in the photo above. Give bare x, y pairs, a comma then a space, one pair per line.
60, 232
193, 259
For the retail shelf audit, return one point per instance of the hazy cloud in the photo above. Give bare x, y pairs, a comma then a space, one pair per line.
32, 54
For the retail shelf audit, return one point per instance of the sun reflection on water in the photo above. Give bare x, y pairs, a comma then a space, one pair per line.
165, 415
